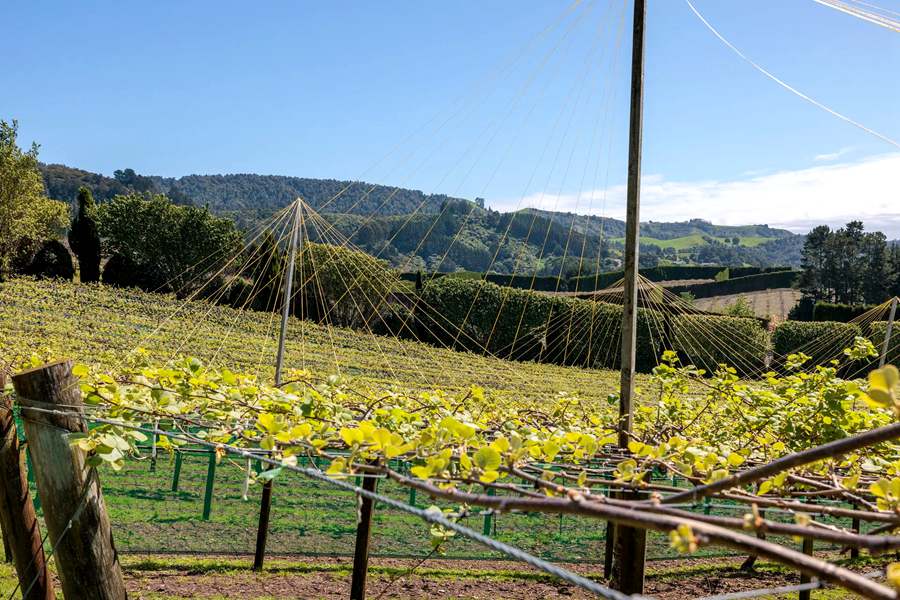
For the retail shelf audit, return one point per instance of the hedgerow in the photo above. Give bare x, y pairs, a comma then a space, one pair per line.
822, 341
525, 325
832, 311
589, 334
481, 316
708, 341
737, 285
877, 331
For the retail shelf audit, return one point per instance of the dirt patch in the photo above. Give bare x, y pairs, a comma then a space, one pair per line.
328, 578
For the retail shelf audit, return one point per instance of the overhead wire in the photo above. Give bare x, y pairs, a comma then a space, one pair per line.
786, 85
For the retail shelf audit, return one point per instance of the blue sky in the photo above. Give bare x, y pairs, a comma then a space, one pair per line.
521, 102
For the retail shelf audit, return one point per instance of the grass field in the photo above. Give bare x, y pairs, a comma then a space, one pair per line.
696, 239
766, 303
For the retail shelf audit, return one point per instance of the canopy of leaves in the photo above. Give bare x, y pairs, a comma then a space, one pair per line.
849, 265
27, 216
176, 248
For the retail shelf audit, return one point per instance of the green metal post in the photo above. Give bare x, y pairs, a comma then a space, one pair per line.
153, 454
176, 476
488, 516
210, 478
412, 496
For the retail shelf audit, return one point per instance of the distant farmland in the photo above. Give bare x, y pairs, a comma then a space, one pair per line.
764, 303
697, 239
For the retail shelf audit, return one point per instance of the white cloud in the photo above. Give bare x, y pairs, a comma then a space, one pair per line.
867, 189
830, 156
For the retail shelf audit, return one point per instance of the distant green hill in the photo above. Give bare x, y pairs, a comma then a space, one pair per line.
414, 230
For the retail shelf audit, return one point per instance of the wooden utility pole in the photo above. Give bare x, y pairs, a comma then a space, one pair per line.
885, 348
74, 512
632, 227
20, 525
630, 544
265, 505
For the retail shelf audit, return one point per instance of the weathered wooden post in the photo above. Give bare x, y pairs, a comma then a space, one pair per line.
7, 549
363, 537
74, 512
630, 543
887, 334
262, 529
804, 578
21, 532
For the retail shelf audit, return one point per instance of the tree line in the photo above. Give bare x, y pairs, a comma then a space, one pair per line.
849, 265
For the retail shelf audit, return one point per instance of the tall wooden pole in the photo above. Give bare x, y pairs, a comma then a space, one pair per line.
630, 544
887, 334
288, 290
632, 227
265, 505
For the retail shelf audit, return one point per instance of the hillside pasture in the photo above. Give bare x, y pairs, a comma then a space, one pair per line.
697, 239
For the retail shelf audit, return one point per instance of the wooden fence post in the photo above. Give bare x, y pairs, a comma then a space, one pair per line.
629, 553
610, 540
804, 578
74, 512
262, 530
21, 532
363, 537
855, 525
7, 549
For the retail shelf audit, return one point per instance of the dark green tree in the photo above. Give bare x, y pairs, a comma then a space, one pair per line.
84, 238
27, 216
877, 274
175, 248
813, 263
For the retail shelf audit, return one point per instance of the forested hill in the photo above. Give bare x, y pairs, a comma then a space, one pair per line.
248, 197
408, 228
615, 228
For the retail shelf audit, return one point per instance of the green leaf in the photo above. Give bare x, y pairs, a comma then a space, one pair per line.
487, 459
489, 476
421, 471
735, 459
879, 488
